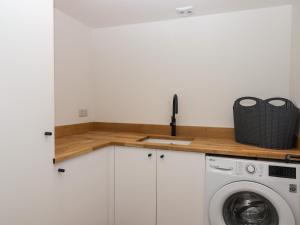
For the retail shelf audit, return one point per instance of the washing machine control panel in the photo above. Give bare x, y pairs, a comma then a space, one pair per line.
252, 168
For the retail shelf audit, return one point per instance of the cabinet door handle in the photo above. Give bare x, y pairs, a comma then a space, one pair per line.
60, 170
149, 155
162, 156
48, 133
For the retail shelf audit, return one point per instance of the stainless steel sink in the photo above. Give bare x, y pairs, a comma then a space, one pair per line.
167, 141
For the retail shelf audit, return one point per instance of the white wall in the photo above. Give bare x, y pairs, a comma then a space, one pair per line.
73, 87
27, 111
295, 65
208, 61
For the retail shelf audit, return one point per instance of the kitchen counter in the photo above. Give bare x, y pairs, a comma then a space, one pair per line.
74, 145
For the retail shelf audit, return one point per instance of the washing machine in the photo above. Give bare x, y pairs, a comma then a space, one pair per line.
251, 192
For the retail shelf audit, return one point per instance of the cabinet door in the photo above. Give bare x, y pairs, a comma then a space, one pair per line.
180, 186
135, 186
83, 190
27, 111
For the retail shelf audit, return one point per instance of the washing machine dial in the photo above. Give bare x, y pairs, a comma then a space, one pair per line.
250, 169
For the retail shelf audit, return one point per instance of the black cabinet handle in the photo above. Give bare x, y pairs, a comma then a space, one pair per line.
60, 170
48, 133
162, 156
149, 155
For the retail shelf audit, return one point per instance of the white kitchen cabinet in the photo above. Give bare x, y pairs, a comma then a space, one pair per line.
180, 188
164, 189
85, 189
27, 112
135, 186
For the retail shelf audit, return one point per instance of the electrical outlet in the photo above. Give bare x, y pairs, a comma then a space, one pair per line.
83, 113
185, 11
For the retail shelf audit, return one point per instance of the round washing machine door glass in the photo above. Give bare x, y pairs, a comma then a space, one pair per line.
249, 208
249, 203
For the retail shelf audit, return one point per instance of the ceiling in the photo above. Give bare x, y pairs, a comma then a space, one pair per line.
105, 13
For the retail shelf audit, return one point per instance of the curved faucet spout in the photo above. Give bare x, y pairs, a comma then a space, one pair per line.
175, 105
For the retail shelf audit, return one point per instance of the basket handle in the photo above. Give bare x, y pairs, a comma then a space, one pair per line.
286, 101
238, 101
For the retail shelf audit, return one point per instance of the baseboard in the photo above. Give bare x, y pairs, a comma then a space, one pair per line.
66, 130
187, 131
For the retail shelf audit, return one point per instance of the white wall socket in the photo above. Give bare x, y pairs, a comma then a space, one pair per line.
83, 113
185, 10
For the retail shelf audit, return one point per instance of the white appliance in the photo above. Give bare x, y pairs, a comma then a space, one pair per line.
250, 192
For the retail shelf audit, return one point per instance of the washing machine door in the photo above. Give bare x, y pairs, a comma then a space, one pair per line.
249, 203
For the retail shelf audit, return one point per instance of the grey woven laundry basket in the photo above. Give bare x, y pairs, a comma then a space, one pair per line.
266, 125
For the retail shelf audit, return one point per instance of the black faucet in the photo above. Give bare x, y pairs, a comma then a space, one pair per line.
173, 118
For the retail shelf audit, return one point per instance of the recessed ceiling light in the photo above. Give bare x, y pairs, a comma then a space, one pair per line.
185, 11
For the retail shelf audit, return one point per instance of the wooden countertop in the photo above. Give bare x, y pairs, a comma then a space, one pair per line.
74, 145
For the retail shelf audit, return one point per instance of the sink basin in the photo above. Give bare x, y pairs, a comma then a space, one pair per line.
167, 141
